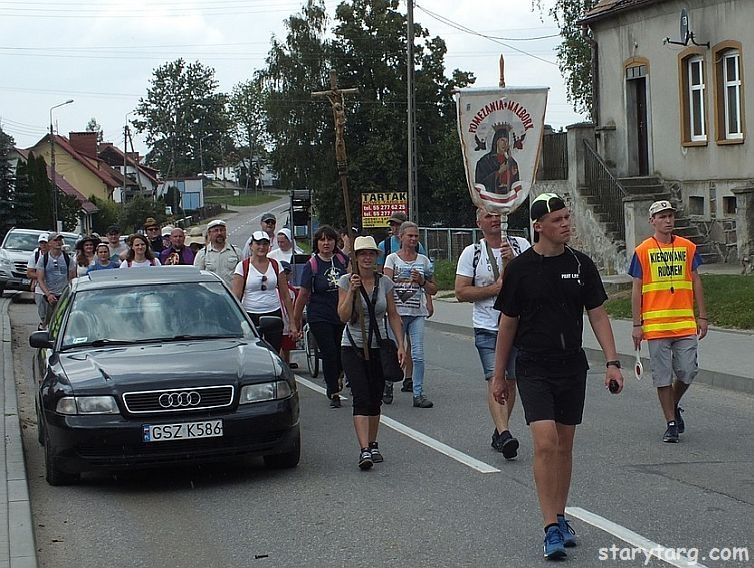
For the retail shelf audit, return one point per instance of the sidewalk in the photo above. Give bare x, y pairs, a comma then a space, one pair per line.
17, 549
726, 357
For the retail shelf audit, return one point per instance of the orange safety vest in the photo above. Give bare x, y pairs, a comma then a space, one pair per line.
667, 289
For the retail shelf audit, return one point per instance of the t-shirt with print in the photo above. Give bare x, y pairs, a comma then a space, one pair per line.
257, 300
56, 272
323, 288
385, 288
408, 295
144, 264
484, 314
548, 295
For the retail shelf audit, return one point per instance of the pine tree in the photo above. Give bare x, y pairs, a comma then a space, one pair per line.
7, 185
40, 188
24, 206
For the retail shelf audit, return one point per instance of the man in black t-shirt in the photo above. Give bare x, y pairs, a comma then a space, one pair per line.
545, 292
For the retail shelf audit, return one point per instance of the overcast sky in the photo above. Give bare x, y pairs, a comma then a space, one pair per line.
102, 54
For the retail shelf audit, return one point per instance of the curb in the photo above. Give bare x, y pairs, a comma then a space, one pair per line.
706, 376
17, 545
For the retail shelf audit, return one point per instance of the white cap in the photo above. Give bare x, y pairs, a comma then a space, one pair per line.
43, 238
216, 223
260, 236
657, 206
166, 230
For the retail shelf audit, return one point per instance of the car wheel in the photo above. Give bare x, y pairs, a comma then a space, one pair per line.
288, 459
53, 474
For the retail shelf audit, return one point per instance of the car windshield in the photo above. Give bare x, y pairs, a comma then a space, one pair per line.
30, 241
143, 314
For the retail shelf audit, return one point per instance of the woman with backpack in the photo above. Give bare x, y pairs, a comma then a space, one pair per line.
319, 294
375, 294
261, 285
139, 253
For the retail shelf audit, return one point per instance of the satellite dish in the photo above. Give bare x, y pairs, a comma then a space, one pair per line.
684, 26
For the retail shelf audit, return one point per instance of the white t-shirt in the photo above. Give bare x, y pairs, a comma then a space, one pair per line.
484, 315
145, 264
281, 255
255, 300
409, 297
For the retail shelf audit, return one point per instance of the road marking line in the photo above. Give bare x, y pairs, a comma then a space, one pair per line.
649, 547
401, 428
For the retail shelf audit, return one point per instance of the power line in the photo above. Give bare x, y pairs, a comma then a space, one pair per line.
463, 28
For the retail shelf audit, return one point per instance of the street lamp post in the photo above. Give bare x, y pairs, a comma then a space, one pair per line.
52, 167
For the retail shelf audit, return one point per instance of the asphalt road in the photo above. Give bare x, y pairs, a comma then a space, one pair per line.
247, 219
420, 507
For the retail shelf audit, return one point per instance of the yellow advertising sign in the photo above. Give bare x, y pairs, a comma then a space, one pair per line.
377, 207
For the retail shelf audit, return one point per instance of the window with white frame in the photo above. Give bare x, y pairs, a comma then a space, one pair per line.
731, 90
695, 81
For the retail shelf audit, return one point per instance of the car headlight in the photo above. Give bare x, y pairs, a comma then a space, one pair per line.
4, 259
73, 405
265, 391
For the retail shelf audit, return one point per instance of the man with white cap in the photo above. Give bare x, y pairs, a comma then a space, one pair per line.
267, 222
54, 270
219, 256
31, 273
666, 284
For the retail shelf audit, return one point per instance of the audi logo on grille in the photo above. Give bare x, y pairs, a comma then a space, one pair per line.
179, 399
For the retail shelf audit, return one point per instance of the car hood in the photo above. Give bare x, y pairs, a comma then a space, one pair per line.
172, 365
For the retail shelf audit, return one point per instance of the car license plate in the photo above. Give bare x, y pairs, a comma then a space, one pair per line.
182, 431
25, 282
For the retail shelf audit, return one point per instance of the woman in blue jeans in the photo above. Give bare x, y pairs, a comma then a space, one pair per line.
411, 273
319, 293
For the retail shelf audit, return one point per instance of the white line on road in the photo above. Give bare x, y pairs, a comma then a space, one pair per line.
650, 548
436, 445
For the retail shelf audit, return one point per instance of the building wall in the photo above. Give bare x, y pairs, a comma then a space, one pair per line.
74, 172
705, 172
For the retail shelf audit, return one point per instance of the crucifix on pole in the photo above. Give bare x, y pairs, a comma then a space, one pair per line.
336, 97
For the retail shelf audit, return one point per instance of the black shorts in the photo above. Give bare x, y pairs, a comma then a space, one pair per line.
553, 398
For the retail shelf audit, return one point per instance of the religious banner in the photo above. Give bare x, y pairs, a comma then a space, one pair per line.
501, 134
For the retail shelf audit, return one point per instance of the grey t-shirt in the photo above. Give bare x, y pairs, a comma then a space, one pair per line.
385, 288
56, 277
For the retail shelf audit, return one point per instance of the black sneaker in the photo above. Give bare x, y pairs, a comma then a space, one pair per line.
422, 401
408, 385
387, 396
335, 401
671, 434
365, 459
679, 419
508, 445
376, 455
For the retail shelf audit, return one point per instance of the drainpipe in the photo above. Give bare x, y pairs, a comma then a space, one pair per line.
595, 75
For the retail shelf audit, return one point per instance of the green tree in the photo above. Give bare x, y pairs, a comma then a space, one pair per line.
39, 186
247, 113
574, 52
135, 212
94, 126
7, 185
108, 214
182, 108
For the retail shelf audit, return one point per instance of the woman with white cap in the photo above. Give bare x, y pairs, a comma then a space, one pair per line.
375, 293
261, 285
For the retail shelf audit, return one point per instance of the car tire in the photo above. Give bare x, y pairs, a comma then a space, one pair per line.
53, 474
286, 460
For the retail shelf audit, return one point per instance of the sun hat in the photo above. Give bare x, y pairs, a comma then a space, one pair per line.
151, 222
659, 206
87, 239
365, 243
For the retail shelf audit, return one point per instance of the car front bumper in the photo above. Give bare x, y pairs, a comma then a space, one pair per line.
101, 442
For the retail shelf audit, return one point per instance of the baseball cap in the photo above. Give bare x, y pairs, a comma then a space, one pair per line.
260, 236
54, 237
268, 217
658, 206
43, 238
545, 203
113, 229
398, 217
166, 230
216, 223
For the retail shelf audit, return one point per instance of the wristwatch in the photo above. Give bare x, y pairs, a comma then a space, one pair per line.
615, 364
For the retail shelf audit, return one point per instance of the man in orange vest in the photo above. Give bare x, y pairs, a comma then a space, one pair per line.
666, 284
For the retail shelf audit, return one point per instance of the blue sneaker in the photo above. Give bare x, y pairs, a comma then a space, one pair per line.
569, 535
554, 548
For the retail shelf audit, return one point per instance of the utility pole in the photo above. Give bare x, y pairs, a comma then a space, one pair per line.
52, 167
125, 154
413, 194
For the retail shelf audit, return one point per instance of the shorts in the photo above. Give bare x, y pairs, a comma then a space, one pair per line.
485, 341
553, 398
673, 354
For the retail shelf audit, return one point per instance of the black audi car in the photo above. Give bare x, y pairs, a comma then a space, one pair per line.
153, 366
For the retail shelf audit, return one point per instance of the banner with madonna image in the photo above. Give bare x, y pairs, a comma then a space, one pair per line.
501, 134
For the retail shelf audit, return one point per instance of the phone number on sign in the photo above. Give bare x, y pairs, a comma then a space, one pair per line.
631, 554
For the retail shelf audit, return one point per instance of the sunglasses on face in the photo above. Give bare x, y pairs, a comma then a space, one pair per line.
153, 229
270, 221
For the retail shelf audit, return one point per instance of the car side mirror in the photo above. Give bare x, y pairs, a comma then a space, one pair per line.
270, 325
40, 340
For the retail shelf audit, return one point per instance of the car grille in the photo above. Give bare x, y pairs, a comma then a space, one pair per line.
178, 400
19, 268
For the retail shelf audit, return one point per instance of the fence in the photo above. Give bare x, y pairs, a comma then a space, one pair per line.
603, 185
448, 244
554, 157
